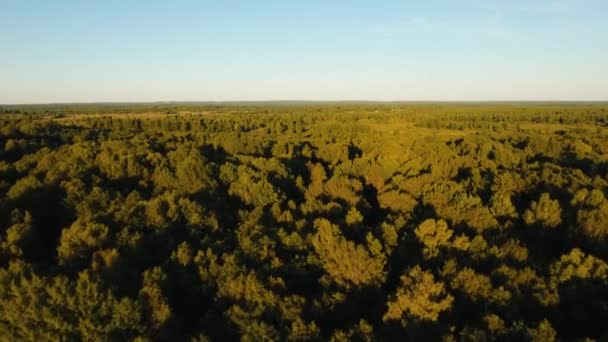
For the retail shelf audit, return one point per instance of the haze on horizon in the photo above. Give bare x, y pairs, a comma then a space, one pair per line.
471, 50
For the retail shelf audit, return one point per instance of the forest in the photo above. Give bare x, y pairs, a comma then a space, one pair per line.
296, 221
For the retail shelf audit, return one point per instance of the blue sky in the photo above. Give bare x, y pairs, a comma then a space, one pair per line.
127, 50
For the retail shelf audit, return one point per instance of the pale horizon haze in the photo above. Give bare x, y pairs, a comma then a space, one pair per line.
135, 51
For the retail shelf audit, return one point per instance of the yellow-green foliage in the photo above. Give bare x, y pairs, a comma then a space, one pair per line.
545, 211
592, 216
419, 297
433, 235
37, 308
347, 263
577, 264
304, 222
80, 240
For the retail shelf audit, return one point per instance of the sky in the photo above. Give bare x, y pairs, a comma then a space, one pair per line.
212, 50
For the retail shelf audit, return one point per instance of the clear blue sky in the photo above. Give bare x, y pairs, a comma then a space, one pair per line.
126, 50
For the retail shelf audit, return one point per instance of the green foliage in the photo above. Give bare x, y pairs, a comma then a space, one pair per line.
80, 240
42, 308
157, 311
347, 263
478, 287
501, 206
194, 174
20, 236
433, 235
353, 217
419, 297
303, 221
251, 188
451, 202
593, 213
545, 211
577, 264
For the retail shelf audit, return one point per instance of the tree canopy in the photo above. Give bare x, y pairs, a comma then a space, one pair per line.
303, 221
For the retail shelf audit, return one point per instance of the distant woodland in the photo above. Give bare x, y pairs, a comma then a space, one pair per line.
304, 222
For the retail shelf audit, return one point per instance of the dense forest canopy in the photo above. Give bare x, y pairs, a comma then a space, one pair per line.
304, 221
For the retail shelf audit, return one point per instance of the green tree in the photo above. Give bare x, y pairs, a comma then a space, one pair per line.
545, 211
346, 263
433, 235
419, 297
35, 308
80, 240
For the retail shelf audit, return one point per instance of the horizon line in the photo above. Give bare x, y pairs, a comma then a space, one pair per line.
194, 102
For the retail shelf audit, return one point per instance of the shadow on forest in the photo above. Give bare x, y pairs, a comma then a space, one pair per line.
585, 164
50, 215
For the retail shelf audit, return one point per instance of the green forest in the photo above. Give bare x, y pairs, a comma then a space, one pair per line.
296, 221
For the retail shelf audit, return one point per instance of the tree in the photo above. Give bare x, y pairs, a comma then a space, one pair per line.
36, 308
577, 264
353, 217
346, 263
478, 287
344, 188
419, 297
543, 333
195, 174
545, 212
254, 190
20, 236
501, 206
80, 240
592, 214
593, 222
433, 235
156, 307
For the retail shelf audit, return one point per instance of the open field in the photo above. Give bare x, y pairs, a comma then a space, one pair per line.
304, 221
